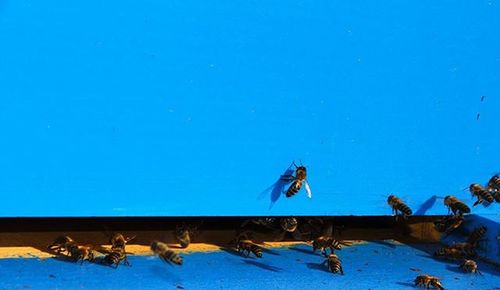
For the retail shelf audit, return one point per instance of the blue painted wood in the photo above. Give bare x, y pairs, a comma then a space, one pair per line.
373, 266
194, 108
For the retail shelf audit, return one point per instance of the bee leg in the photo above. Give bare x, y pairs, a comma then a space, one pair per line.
341, 270
126, 262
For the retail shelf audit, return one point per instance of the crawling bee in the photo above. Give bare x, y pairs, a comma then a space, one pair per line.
456, 251
61, 244
448, 223
247, 246
455, 205
428, 280
116, 256
481, 194
398, 205
81, 253
118, 241
324, 242
476, 236
183, 236
469, 266
165, 254
334, 264
297, 181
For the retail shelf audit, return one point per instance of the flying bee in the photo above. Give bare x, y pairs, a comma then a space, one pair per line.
247, 246
494, 183
323, 242
334, 264
476, 236
165, 254
455, 205
449, 223
427, 281
481, 194
297, 181
60, 244
398, 205
469, 266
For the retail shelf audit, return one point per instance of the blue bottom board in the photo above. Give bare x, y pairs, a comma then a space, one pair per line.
376, 265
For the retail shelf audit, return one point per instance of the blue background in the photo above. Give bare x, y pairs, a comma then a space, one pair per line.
194, 108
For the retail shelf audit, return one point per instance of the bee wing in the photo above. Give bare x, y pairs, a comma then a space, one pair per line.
308, 189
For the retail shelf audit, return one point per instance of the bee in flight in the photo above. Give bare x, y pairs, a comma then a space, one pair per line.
334, 264
494, 187
428, 280
455, 205
297, 181
481, 193
469, 266
167, 255
398, 205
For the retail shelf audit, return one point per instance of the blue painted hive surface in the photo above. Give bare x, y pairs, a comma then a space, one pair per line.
376, 265
193, 107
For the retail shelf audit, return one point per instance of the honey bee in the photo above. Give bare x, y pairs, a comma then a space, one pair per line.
334, 264
427, 281
247, 246
456, 251
297, 181
448, 223
323, 242
398, 205
166, 254
455, 205
116, 256
118, 241
481, 194
476, 235
61, 244
289, 224
469, 266
81, 253
494, 187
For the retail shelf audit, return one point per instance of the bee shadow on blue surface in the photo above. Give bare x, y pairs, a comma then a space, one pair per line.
304, 251
236, 253
263, 266
428, 204
270, 252
318, 266
165, 274
407, 284
277, 189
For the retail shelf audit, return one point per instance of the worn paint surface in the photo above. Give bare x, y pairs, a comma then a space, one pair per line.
380, 265
194, 108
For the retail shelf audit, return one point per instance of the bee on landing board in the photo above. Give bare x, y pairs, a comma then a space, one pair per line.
427, 281
81, 253
60, 244
247, 246
297, 181
469, 266
449, 223
166, 254
456, 251
455, 205
398, 205
481, 193
334, 264
323, 242
118, 252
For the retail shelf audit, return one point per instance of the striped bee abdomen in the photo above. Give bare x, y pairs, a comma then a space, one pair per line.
294, 188
334, 264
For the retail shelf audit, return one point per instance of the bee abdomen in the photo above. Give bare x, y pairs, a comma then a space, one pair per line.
171, 256
114, 257
406, 210
334, 265
461, 207
294, 188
